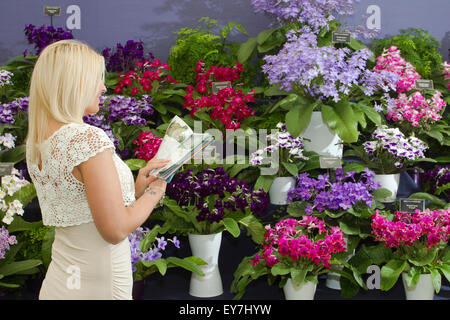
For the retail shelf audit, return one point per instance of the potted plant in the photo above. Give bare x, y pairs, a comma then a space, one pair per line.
390, 153
285, 151
147, 257
295, 250
203, 205
344, 199
420, 252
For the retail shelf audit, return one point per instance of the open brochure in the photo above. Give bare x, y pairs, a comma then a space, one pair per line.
180, 144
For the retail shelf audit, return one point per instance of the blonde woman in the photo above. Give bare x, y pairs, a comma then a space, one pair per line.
84, 189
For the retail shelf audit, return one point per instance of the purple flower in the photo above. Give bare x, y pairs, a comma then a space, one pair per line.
6, 240
42, 36
125, 57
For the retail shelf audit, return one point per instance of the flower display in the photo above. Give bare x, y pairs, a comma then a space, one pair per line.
228, 105
141, 79
127, 110
299, 243
147, 146
124, 57
340, 192
7, 140
316, 14
10, 185
230, 194
155, 252
10, 109
323, 72
392, 61
5, 78
6, 240
406, 229
42, 36
393, 141
437, 181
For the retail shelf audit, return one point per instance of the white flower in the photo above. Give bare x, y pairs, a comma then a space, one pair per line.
7, 219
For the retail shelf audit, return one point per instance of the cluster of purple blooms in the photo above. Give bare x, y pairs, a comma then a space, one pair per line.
131, 111
342, 191
435, 179
5, 78
42, 36
124, 57
315, 13
10, 109
189, 189
6, 240
153, 253
394, 141
323, 72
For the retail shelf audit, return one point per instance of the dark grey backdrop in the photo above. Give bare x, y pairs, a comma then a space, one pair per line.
106, 22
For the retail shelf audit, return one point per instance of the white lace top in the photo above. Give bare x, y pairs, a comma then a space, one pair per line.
61, 196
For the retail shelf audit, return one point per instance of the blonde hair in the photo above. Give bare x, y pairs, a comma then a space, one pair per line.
64, 82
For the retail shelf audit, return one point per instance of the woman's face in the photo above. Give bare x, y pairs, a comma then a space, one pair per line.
93, 106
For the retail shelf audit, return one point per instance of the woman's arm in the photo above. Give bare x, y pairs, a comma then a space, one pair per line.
113, 220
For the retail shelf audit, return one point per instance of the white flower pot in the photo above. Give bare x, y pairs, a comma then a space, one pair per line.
305, 291
334, 279
390, 182
206, 247
323, 141
278, 191
424, 289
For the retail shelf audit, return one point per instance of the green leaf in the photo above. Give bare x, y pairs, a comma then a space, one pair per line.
275, 90
412, 277
436, 278
370, 113
355, 166
446, 255
18, 266
291, 168
445, 269
342, 120
254, 228
232, 226
297, 208
436, 135
264, 182
9, 285
390, 273
14, 155
280, 269
19, 224
161, 264
381, 193
135, 164
246, 50
298, 119
46, 247
428, 197
422, 256
298, 276
186, 264
264, 35
349, 226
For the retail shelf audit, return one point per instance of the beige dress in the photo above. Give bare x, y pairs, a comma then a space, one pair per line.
84, 265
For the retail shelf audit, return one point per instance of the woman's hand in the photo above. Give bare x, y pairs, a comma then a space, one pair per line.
143, 179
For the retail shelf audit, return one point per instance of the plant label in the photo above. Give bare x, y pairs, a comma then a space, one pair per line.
425, 84
330, 163
6, 168
410, 205
341, 37
52, 11
217, 86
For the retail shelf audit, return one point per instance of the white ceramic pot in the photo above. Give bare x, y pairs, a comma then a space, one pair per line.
305, 291
390, 182
206, 247
424, 289
323, 141
278, 191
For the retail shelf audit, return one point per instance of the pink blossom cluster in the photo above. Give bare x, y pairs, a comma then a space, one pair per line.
446, 66
148, 145
392, 61
307, 238
407, 229
416, 107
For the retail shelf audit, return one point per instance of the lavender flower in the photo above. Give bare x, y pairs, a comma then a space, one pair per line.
339, 193
153, 253
5, 78
10, 109
189, 189
7, 140
124, 58
315, 13
42, 36
6, 241
435, 180
323, 72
